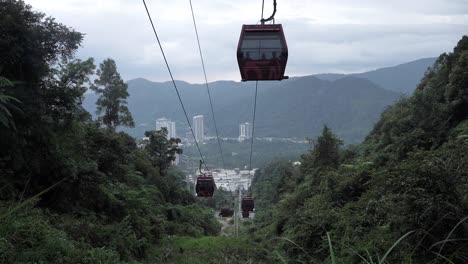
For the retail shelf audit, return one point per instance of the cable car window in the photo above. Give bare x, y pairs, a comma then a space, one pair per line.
261, 45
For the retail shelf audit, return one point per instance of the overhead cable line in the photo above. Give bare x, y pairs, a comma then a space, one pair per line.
253, 126
174, 83
262, 20
207, 86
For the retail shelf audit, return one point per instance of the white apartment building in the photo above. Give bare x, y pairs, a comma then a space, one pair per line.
198, 128
169, 125
245, 131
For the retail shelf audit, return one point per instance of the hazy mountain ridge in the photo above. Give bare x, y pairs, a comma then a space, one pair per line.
349, 104
401, 78
300, 109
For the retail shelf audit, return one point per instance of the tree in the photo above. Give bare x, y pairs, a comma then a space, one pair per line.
457, 93
65, 87
326, 149
31, 42
162, 150
112, 104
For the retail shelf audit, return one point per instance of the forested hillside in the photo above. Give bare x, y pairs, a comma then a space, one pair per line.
350, 106
237, 154
399, 197
72, 189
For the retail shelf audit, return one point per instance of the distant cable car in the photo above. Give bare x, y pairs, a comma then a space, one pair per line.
205, 186
245, 214
247, 204
226, 212
262, 52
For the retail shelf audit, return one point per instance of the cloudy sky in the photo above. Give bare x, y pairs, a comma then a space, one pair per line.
340, 36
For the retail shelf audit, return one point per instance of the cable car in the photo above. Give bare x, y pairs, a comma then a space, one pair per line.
226, 212
205, 186
247, 204
245, 214
262, 52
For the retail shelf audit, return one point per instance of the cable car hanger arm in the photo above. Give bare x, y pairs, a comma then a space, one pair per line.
272, 17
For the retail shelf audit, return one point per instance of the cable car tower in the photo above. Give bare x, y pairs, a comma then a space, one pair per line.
262, 52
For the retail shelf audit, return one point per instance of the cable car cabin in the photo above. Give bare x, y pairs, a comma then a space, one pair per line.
226, 212
245, 214
262, 53
247, 203
205, 186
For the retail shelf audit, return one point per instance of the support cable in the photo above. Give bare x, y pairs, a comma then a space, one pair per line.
207, 86
263, 7
175, 86
253, 126
272, 17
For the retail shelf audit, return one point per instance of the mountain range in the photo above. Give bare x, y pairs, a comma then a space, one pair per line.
298, 107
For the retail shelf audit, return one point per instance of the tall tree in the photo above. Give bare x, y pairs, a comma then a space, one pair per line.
112, 104
65, 87
30, 42
325, 151
161, 149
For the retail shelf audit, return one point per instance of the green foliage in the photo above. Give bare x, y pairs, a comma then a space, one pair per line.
325, 150
162, 150
236, 154
191, 221
29, 237
400, 197
72, 191
112, 104
65, 88
8, 105
32, 42
209, 250
270, 183
221, 199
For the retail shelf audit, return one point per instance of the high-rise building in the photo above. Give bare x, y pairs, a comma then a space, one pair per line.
199, 128
169, 125
172, 131
245, 131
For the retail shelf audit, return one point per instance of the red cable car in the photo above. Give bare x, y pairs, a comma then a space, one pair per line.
247, 204
245, 214
205, 186
262, 53
226, 212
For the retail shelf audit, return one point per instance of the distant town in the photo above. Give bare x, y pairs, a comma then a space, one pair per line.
228, 179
